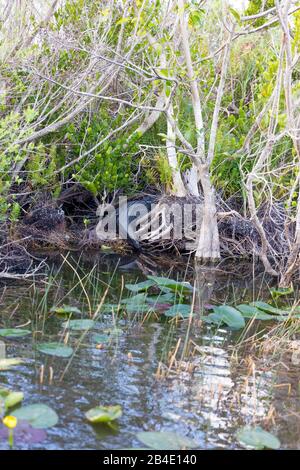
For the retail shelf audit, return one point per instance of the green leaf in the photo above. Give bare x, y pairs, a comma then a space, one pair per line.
268, 308
14, 332
108, 308
248, 311
30, 114
135, 299
161, 298
235, 14
281, 291
55, 349
172, 284
114, 331
164, 73
123, 20
141, 286
257, 438
99, 339
6, 364
9, 398
137, 308
195, 18
179, 310
166, 440
78, 324
104, 414
66, 310
38, 415
228, 315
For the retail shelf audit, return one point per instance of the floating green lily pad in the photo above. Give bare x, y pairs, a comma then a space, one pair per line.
104, 414
161, 298
141, 286
100, 338
108, 308
10, 399
269, 308
257, 438
166, 440
179, 310
135, 299
40, 416
172, 284
248, 311
55, 349
14, 332
66, 310
113, 331
230, 316
79, 324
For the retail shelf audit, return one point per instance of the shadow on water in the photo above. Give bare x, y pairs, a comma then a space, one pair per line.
206, 395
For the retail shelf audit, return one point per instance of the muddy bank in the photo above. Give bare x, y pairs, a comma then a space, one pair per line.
71, 221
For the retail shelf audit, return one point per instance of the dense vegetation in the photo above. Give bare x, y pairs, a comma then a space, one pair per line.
176, 97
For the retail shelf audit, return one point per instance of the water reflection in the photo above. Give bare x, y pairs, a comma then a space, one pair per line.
206, 394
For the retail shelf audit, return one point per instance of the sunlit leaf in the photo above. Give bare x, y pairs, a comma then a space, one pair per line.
9, 398
66, 310
104, 414
6, 364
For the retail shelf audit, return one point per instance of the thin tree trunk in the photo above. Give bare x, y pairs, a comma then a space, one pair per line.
208, 249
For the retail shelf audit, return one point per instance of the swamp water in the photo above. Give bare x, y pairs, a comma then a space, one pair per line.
206, 391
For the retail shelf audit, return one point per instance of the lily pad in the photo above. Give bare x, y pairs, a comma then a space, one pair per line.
166, 440
100, 338
79, 324
108, 308
104, 414
6, 364
161, 298
55, 349
281, 291
228, 315
257, 438
248, 311
269, 308
14, 332
65, 310
183, 286
135, 299
141, 286
40, 416
113, 331
138, 308
10, 399
179, 310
